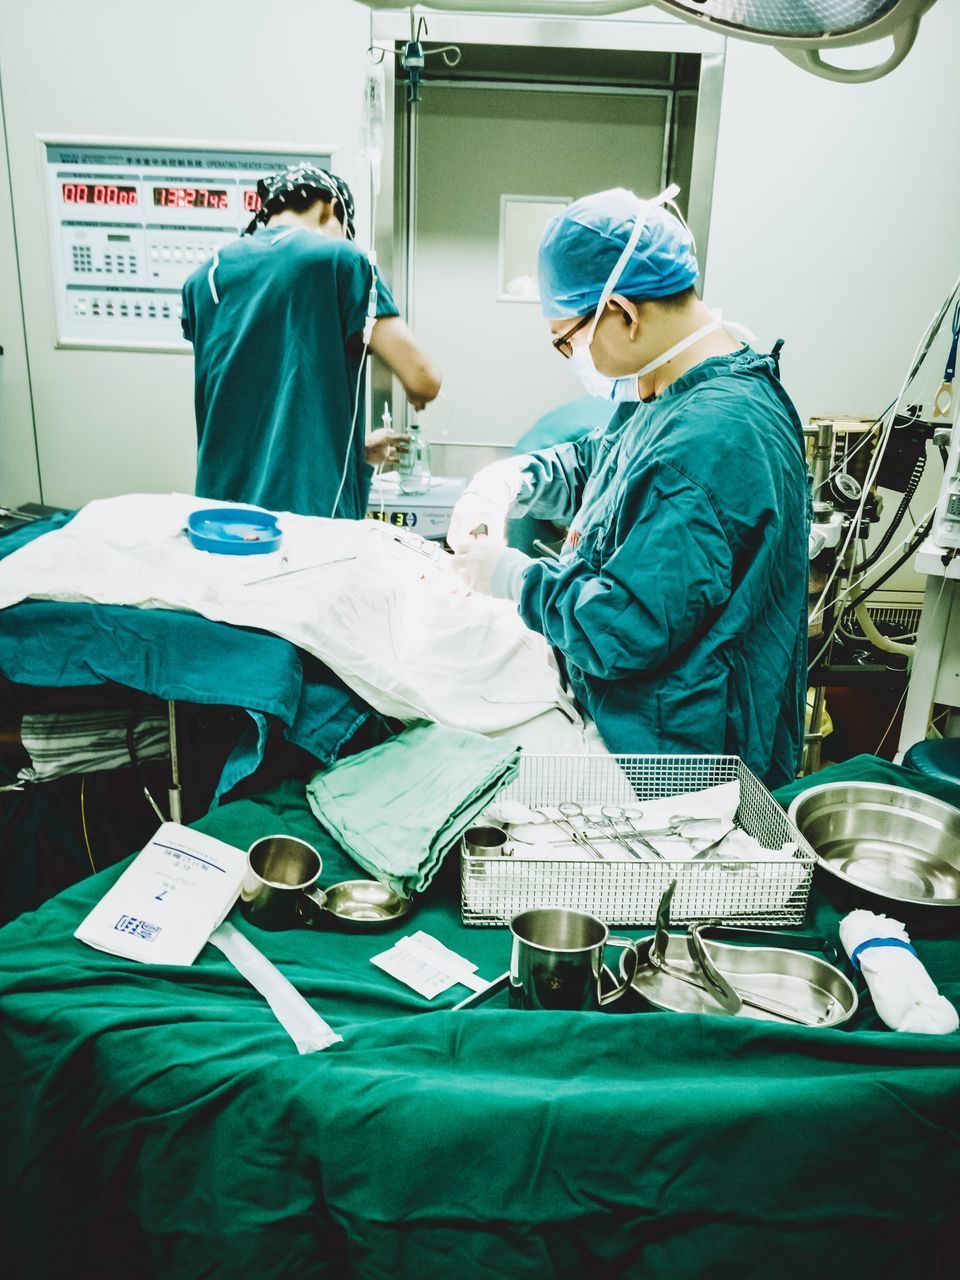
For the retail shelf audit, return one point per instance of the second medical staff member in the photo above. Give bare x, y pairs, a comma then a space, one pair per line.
279, 322
679, 601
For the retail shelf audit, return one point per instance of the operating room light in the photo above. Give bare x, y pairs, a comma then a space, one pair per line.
810, 18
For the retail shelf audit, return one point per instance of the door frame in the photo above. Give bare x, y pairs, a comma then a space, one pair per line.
395, 204
18, 434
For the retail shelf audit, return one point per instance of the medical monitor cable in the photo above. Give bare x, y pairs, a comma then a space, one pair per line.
871, 558
919, 534
368, 324
915, 540
841, 613
892, 721
855, 582
83, 822
822, 603
919, 356
924, 519
857, 516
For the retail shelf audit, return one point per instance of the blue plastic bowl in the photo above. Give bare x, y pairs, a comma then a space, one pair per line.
234, 531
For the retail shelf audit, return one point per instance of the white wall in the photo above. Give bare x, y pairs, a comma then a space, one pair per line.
836, 214
290, 71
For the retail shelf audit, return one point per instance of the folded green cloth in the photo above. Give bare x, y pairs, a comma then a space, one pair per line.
397, 808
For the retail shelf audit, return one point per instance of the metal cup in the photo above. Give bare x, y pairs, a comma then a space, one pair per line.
485, 840
557, 960
278, 890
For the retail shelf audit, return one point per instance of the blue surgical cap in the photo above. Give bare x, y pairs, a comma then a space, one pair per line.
581, 246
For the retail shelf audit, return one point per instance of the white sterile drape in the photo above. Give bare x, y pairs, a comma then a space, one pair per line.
385, 612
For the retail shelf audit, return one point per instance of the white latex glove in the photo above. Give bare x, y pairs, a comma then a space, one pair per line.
492, 567
476, 563
487, 500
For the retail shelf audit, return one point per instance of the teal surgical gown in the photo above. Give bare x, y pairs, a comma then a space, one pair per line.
680, 600
277, 360
559, 426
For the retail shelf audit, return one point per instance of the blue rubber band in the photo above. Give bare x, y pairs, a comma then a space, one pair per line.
879, 942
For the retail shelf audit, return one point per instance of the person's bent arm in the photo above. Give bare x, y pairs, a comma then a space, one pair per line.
548, 483
659, 589
393, 342
554, 479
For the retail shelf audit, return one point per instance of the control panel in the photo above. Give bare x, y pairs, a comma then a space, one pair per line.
130, 221
946, 528
427, 514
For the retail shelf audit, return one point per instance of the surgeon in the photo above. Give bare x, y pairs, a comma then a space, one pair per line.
281, 321
679, 601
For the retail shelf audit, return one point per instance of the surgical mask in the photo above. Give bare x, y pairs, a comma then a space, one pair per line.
595, 383
619, 390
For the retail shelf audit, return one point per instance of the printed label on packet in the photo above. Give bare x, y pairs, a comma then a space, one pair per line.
427, 966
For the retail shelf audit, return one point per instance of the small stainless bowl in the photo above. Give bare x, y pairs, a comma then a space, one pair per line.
896, 844
364, 904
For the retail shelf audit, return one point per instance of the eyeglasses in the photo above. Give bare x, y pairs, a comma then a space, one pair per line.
563, 343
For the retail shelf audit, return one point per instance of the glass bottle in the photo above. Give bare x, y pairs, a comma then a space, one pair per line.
414, 468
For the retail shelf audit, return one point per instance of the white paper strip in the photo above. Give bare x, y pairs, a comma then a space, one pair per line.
303, 1024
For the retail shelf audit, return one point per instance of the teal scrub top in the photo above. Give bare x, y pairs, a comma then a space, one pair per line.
277, 365
680, 600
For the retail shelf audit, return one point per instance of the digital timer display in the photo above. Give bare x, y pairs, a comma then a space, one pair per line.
190, 197
251, 201
98, 193
402, 519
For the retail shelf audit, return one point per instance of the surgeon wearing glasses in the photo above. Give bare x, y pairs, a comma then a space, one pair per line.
679, 600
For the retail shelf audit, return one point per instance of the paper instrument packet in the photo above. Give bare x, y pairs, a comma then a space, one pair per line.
169, 900
425, 964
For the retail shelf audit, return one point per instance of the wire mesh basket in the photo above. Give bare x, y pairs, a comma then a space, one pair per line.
762, 891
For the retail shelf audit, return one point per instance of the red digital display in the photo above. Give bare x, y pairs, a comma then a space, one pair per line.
189, 198
98, 193
251, 201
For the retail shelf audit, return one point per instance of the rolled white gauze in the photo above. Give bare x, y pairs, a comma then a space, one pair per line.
904, 994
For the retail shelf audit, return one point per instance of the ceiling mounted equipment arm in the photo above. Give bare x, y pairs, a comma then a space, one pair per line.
801, 31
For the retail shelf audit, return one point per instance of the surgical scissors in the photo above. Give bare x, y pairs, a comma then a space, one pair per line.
610, 814
564, 824
614, 813
570, 810
675, 830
